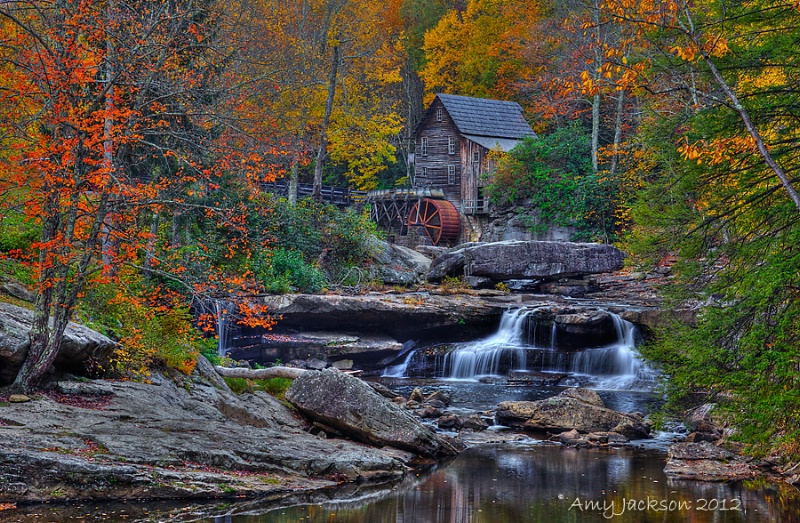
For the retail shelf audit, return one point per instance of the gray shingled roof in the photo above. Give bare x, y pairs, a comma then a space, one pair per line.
482, 117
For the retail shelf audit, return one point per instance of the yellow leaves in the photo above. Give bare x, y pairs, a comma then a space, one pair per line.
717, 151
765, 78
690, 151
479, 52
361, 135
718, 47
588, 84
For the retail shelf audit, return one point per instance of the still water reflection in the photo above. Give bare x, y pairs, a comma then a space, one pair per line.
545, 483
509, 483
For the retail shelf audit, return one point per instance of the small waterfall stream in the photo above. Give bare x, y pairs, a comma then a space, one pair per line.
517, 347
221, 310
485, 356
399, 370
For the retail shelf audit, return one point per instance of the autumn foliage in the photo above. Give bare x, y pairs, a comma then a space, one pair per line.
136, 138
119, 129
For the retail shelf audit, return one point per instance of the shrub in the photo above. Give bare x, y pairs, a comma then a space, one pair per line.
288, 271
318, 245
18, 233
276, 387
149, 334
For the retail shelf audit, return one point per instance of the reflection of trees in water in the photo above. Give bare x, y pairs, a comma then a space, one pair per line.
491, 484
499, 484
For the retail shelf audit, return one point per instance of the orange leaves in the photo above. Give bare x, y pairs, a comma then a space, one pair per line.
254, 315
710, 46
685, 53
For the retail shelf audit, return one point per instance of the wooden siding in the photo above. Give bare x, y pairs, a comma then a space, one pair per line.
438, 157
474, 166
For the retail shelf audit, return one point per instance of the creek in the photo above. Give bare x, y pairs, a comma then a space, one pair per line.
529, 480
506, 477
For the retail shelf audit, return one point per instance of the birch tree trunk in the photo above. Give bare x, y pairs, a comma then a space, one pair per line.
323, 133
617, 132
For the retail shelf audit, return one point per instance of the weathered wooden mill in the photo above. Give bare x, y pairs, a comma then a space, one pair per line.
452, 165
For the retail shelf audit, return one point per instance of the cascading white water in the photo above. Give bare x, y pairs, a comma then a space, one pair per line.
617, 366
485, 356
514, 348
223, 320
399, 370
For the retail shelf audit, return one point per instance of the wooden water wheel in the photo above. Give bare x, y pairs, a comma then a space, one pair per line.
439, 218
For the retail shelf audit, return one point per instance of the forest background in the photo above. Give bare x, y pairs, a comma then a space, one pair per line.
136, 138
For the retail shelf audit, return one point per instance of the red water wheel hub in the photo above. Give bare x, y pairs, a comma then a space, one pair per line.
439, 218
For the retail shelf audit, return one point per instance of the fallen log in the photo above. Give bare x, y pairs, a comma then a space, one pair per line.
260, 374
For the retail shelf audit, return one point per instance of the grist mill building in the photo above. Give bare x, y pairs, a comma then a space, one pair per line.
452, 162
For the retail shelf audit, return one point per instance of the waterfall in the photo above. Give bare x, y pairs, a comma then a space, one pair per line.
507, 348
615, 367
223, 322
514, 348
399, 370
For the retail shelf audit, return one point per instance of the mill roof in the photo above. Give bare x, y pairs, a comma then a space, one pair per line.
484, 117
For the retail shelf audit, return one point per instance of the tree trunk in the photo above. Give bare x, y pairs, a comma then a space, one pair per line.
260, 374
59, 286
108, 142
151, 244
597, 68
595, 131
30, 373
323, 133
414, 89
294, 174
617, 132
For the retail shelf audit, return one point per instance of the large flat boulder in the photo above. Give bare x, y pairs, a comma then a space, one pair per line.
418, 316
168, 440
520, 260
80, 344
352, 407
579, 409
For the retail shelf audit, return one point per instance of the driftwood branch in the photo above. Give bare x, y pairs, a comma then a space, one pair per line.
260, 374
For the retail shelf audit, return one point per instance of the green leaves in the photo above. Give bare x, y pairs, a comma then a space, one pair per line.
553, 174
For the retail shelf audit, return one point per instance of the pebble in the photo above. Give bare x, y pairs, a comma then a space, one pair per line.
19, 398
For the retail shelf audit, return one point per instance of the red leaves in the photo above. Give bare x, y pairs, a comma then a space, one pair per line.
88, 401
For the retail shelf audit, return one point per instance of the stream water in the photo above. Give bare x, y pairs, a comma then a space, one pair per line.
520, 346
523, 480
527, 483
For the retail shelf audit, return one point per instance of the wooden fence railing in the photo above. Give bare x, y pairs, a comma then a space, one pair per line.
341, 196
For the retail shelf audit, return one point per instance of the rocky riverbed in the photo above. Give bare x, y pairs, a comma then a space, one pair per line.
189, 437
192, 438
